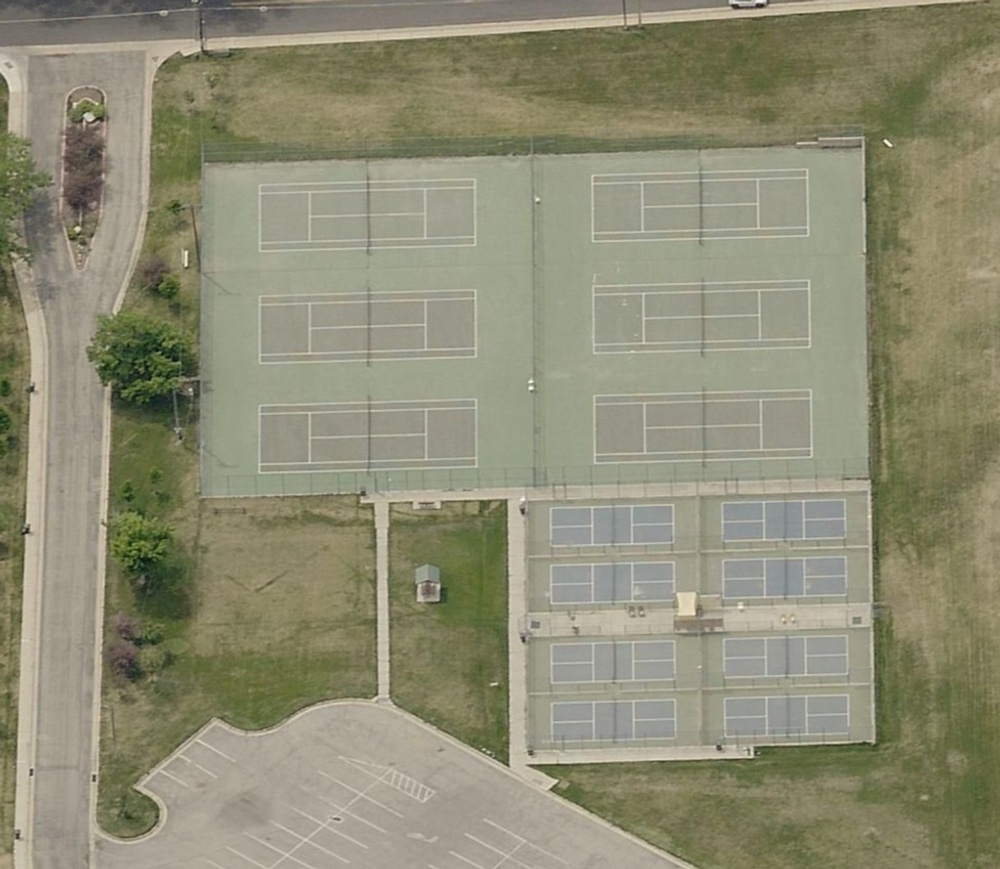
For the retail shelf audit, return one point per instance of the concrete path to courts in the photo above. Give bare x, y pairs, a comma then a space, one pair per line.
382, 597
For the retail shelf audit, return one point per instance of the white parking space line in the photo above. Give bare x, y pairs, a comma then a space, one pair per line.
467, 860
195, 763
525, 841
361, 795
505, 856
344, 810
174, 778
289, 855
331, 827
211, 747
248, 859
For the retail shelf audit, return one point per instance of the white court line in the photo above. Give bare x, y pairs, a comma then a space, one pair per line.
424, 192
179, 781
331, 827
703, 205
361, 794
525, 841
216, 750
195, 763
757, 184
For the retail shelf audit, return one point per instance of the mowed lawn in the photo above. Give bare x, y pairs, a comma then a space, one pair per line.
14, 374
929, 80
449, 660
270, 608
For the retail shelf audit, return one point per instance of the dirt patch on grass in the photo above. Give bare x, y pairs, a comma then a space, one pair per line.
449, 660
286, 575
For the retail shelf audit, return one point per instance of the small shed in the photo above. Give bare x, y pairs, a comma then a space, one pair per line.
428, 581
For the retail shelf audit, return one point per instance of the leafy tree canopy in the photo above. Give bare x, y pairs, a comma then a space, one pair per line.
18, 181
141, 358
139, 544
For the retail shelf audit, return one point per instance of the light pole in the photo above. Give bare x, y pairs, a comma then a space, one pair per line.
201, 24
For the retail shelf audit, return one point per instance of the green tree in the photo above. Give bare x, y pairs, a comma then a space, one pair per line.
142, 359
18, 181
139, 544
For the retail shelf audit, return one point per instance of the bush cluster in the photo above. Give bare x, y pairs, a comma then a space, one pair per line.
79, 109
134, 649
84, 168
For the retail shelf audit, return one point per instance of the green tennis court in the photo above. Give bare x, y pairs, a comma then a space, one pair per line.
533, 320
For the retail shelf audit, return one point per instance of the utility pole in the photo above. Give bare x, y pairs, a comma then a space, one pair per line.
624, 15
201, 24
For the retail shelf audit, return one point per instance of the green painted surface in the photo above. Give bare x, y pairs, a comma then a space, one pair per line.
700, 685
534, 267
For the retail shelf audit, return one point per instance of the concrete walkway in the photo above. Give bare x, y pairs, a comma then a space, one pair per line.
382, 598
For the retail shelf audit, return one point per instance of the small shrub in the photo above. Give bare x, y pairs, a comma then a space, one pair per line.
175, 207
127, 492
123, 658
152, 271
152, 659
5, 389
169, 287
79, 109
5, 421
152, 635
155, 475
128, 627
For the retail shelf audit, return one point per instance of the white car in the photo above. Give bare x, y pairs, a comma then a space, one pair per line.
747, 4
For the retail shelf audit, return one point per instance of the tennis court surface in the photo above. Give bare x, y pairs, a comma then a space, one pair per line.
435, 324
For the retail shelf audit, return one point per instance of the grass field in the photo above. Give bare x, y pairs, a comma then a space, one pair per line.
272, 608
928, 79
13, 468
449, 660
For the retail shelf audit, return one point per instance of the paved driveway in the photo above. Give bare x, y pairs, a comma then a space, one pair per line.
70, 301
356, 783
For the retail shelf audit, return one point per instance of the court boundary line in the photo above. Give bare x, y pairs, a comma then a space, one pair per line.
713, 346
356, 244
767, 725
614, 641
360, 355
671, 564
786, 638
764, 559
614, 702
700, 234
442, 404
701, 455
763, 520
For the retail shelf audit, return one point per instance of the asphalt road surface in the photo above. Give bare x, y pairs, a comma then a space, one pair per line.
70, 302
54, 23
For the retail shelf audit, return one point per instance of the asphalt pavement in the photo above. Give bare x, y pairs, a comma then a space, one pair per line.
85, 23
63, 750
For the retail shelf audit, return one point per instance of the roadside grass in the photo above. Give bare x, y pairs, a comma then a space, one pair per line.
449, 660
14, 373
270, 608
928, 79
13, 469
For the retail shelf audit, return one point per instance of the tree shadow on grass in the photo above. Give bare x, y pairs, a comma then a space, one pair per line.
165, 594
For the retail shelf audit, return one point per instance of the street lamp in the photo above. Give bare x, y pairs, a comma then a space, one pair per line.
201, 24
